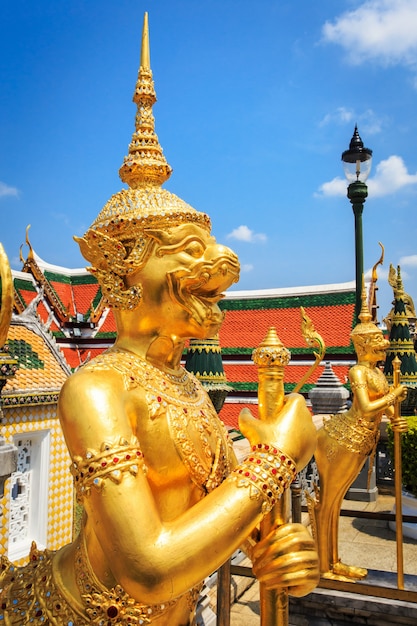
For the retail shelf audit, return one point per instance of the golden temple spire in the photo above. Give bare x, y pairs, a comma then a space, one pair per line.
145, 162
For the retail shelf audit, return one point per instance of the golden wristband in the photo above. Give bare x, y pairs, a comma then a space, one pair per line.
267, 472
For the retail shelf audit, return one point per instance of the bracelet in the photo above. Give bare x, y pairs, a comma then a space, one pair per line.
358, 385
111, 462
267, 472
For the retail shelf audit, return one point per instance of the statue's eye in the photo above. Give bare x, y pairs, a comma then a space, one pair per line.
195, 249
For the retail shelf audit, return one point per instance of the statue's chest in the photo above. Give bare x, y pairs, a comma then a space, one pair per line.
182, 434
377, 384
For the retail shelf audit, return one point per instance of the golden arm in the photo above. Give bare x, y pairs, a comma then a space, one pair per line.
152, 560
362, 401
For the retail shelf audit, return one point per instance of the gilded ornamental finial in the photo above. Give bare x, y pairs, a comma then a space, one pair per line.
399, 291
365, 315
145, 162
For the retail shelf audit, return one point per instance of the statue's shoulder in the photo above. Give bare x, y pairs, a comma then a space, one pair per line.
358, 371
102, 377
117, 365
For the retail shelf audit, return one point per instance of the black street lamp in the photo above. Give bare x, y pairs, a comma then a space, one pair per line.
357, 165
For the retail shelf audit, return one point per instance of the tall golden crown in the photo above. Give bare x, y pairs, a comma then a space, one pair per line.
117, 243
366, 326
145, 204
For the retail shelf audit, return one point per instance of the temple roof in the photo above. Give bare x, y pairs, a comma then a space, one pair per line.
88, 328
42, 368
250, 313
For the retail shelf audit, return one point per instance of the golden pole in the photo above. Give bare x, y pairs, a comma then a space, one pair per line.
398, 478
271, 357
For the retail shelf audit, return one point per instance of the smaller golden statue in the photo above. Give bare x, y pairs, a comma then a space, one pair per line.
347, 439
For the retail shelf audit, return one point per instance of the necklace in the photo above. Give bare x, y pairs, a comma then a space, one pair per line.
188, 409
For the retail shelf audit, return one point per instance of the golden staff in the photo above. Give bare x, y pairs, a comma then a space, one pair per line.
271, 357
396, 364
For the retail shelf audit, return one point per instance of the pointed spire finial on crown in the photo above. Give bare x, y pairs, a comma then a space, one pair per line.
145, 163
364, 315
399, 289
145, 55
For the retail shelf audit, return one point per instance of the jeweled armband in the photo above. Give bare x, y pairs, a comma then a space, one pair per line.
110, 463
267, 472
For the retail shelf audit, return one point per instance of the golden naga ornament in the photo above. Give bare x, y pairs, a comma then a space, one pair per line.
346, 440
165, 503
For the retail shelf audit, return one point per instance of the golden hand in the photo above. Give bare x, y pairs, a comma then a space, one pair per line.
287, 557
399, 392
291, 430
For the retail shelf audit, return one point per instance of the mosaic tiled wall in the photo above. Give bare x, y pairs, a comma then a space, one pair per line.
30, 420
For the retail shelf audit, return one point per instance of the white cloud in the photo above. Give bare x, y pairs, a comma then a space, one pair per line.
368, 122
246, 267
335, 187
383, 31
7, 190
341, 116
391, 175
410, 260
243, 233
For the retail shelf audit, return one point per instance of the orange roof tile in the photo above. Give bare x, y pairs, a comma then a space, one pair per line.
248, 373
247, 328
229, 414
72, 356
84, 295
64, 293
27, 296
109, 324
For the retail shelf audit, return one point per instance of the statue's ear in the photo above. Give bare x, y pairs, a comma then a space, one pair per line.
161, 236
101, 250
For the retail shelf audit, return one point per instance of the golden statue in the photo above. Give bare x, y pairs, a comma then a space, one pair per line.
410, 310
165, 503
347, 439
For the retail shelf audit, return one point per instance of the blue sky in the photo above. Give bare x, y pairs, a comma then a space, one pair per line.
256, 103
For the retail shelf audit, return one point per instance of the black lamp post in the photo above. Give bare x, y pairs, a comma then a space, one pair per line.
357, 165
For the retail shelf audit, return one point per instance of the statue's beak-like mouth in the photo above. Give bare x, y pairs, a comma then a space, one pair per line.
199, 289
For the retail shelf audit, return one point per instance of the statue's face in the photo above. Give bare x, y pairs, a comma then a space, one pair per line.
374, 347
184, 279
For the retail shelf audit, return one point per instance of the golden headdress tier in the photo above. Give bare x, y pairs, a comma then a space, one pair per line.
145, 162
130, 211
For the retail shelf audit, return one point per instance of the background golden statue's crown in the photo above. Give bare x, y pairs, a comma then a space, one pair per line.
366, 326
